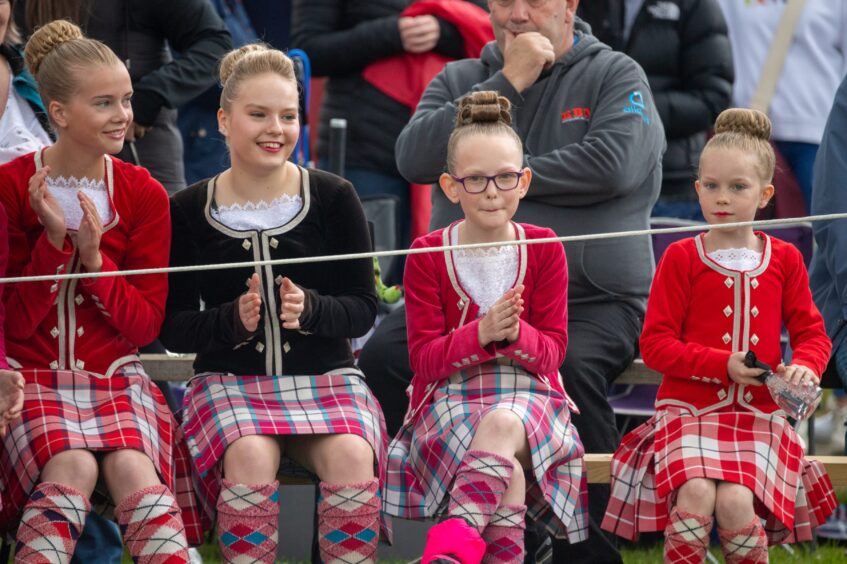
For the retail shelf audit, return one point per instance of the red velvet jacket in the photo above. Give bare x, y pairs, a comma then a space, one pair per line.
442, 322
4, 259
699, 313
96, 324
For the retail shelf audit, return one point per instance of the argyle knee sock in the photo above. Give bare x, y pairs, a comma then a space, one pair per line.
51, 523
747, 545
248, 522
480, 483
687, 537
151, 524
348, 522
504, 535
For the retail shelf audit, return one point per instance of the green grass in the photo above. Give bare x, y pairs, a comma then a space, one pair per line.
828, 553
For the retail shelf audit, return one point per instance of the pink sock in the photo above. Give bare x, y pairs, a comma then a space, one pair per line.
151, 523
348, 522
504, 535
747, 545
248, 522
687, 537
480, 483
51, 523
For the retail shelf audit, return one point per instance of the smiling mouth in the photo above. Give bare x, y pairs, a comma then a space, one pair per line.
271, 146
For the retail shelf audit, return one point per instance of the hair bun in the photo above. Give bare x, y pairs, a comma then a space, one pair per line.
232, 58
47, 38
483, 107
744, 121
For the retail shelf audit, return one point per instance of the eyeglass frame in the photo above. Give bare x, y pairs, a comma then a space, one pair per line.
489, 179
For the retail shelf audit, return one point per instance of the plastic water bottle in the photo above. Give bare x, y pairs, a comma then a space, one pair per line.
798, 401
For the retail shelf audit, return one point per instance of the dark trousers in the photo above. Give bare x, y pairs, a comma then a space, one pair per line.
603, 341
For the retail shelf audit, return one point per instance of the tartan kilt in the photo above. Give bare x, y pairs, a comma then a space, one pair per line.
424, 457
221, 408
66, 410
759, 451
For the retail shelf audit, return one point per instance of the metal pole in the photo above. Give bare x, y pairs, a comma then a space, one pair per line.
337, 145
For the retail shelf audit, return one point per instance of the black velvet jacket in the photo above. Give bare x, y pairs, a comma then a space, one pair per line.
340, 297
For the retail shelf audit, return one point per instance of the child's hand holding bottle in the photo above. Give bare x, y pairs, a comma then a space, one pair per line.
502, 321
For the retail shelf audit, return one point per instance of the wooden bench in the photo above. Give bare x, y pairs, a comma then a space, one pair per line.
169, 368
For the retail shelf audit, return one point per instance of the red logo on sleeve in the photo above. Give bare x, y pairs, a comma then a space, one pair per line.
572, 114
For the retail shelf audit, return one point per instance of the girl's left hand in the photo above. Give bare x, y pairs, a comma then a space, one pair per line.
88, 236
797, 373
292, 301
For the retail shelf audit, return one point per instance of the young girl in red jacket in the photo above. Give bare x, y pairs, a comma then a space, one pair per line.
718, 444
488, 437
93, 427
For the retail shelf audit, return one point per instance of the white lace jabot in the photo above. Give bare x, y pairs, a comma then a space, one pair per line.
737, 259
485, 274
259, 216
65, 191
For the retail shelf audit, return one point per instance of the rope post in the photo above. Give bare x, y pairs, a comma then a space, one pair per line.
337, 145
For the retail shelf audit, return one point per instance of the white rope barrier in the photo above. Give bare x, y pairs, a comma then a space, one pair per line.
399, 252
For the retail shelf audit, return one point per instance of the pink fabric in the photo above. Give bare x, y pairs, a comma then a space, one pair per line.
504, 535
454, 539
480, 483
52, 521
747, 545
152, 528
348, 522
248, 521
687, 537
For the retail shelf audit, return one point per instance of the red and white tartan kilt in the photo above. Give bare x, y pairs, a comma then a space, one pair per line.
759, 451
220, 408
424, 457
66, 410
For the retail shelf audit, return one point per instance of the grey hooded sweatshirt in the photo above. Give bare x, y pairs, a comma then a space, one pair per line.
594, 142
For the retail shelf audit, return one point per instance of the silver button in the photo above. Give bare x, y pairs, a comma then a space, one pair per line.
726, 338
80, 332
54, 365
79, 299
727, 311
286, 347
754, 312
80, 364
729, 282
274, 243
754, 283
260, 347
754, 339
246, 244
54, 332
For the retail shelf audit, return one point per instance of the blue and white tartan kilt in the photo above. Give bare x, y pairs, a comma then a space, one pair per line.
425, 455
221, 408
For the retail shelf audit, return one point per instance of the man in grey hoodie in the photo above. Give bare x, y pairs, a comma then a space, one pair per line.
594, 142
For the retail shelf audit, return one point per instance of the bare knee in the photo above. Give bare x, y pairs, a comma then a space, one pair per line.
252, 460
734, 505
697, 496
502, 432
345, 459
126, 471
76, 468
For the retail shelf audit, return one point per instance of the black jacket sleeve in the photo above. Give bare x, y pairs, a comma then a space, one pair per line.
319, 28
707, 73
348, 309
187, 328
196, 32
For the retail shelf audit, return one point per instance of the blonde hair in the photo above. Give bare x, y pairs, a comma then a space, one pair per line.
248, 61
483, 112
749, 131
13, 34
57, 52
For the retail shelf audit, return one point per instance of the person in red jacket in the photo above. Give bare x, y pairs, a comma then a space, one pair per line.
718, 443
488, 436
91, 415
11, 381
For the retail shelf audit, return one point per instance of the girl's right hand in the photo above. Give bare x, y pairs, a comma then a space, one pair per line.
739, 372
502, 321
47, 208
250, 305
11, 397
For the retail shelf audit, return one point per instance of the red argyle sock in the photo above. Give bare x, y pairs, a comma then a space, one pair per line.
687, 537
151, 524
480, 483
248, 522
747, 545
348, 522
504, 535
51, 523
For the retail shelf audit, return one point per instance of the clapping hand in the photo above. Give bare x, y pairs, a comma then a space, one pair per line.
502, 321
